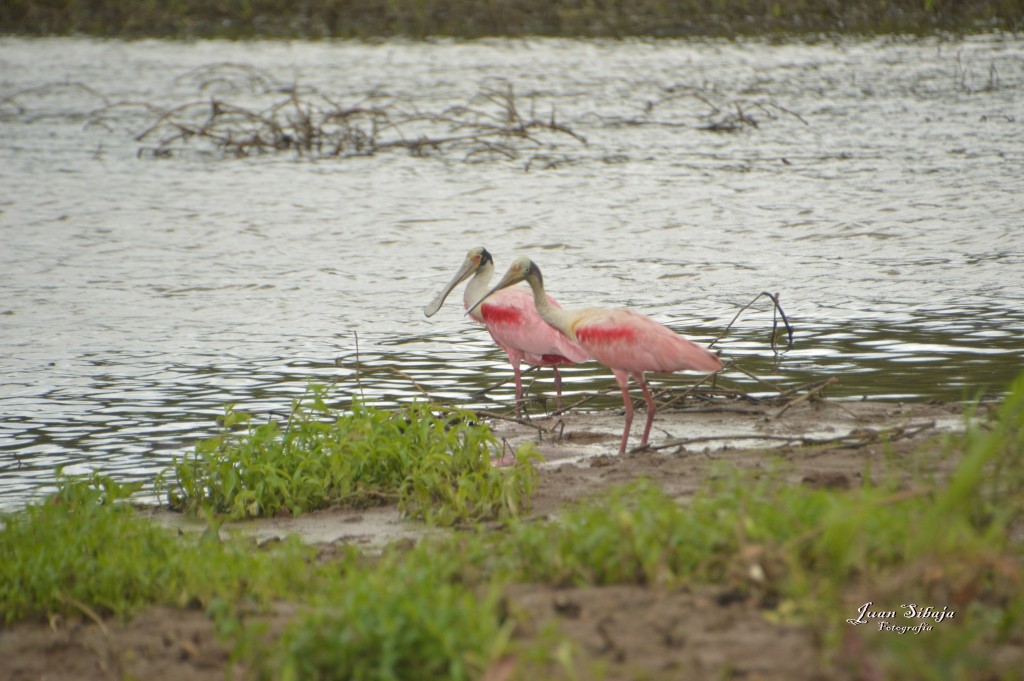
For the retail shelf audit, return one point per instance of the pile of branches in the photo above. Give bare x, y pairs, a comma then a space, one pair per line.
310, 123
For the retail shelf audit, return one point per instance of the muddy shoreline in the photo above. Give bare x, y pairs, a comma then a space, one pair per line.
824, 442
628, 631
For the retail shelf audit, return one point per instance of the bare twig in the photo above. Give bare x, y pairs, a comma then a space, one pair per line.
46, 90
586, 398
359, 384
233, 75
806, 387
775, 324
854, 439
813, 392
88, 612
689, 390
511, 419
770, 386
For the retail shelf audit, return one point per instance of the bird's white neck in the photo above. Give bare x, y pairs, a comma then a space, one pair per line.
477, 288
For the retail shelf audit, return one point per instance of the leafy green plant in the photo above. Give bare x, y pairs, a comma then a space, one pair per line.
83, 550
411, 615
631, 534
434, 462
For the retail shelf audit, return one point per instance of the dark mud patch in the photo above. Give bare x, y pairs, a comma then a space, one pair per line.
627, 632
160, 644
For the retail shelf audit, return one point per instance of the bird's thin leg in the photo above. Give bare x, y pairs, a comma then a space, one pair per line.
651, 406
623, 380
558, 388
519, 385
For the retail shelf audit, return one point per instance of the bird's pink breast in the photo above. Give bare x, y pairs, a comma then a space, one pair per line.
495, 314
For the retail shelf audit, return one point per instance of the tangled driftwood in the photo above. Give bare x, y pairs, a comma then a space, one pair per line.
270, 117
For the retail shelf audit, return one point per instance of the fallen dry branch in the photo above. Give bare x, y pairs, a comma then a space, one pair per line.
689, 391
770, 386
855, 439
813, 392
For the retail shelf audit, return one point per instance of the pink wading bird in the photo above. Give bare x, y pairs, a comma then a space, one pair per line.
626, 342
512, 320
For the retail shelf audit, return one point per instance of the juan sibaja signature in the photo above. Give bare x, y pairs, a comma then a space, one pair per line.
887, 619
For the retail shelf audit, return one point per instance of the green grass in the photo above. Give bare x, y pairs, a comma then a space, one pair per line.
806, 556
84, 551
433, 462
405, 617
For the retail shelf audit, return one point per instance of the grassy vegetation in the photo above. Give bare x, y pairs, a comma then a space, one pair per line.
434, 611
83, 551
815, 556
408, 616
433, 462
462, 18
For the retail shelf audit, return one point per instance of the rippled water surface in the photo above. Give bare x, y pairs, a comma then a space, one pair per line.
875, 185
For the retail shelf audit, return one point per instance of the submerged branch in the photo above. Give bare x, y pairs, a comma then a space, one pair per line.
776, 313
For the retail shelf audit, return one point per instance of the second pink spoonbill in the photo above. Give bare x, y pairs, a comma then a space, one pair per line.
626, 342
512, 320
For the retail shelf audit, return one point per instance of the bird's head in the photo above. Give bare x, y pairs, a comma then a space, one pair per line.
476, 258
521, 269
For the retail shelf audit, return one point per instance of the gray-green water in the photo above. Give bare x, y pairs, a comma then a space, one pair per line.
880, 194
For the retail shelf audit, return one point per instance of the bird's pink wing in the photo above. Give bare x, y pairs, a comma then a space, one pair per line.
622, 339
513, 321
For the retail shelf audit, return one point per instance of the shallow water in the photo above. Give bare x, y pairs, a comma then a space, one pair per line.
879, 194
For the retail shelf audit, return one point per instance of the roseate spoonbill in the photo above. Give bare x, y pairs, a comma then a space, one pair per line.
512, 320
626, 342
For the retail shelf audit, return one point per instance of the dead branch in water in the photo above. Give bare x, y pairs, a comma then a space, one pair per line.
230, 76
776, 313
714, 111
39, 92
268, 117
